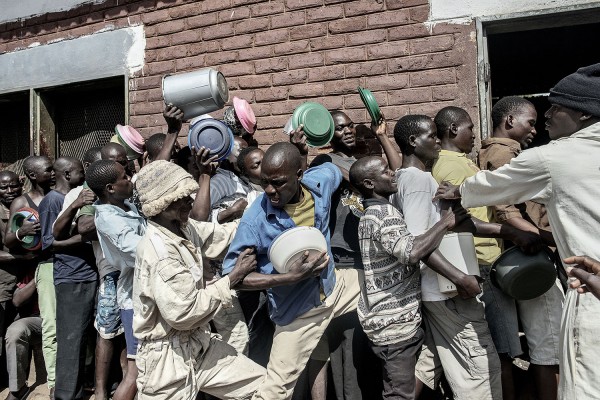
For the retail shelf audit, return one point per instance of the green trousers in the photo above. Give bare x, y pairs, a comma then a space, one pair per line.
44, 280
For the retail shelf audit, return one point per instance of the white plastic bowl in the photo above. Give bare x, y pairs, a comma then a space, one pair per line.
459, 250
291, 244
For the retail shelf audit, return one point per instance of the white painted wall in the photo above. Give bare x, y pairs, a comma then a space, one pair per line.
11, 10
468, 9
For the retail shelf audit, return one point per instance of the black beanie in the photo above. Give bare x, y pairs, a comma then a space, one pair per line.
579, 91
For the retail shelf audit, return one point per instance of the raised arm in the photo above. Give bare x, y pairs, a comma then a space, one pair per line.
380, 132
174, 118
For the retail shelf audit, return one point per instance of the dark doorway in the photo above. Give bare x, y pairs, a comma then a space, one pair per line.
528, 63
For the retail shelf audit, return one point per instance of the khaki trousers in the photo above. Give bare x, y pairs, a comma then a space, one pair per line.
231, 325
294, 343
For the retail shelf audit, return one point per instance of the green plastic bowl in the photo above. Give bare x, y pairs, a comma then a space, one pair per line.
370, 103
318, 124
524, 276
30, 242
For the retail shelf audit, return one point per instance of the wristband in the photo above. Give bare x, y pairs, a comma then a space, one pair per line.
17, 235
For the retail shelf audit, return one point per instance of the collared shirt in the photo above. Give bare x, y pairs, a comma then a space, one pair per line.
119, 233
168, 287
226, 186
262, 223
494, 153
389, 306
563, 175
455, 167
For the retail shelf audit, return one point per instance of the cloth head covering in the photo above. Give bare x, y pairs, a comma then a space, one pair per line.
579, 91
232, 123
161, 183
244, 114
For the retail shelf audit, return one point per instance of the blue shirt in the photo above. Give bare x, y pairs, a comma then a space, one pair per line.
71, 265
119, 233
261, 224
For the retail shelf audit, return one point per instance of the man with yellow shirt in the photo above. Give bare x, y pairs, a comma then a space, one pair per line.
455, 130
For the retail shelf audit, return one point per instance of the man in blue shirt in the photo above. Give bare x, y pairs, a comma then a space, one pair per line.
303, 301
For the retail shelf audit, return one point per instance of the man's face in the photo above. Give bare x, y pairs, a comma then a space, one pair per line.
465, 137
384, 179
44, 173
252, 163
427, 145
120, 156
180, 210
562, 121
123, 188
76, 175
345, 133
280, 182
10, 189
523, 129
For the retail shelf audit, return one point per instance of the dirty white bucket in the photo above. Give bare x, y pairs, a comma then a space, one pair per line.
197, 92
459, 250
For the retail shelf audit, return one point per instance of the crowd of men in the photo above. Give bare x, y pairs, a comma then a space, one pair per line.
164, 266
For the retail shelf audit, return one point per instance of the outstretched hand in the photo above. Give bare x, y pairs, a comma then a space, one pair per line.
379, 128
174, 118
306, 266
207, 164
298, 139
447, 191
584, 274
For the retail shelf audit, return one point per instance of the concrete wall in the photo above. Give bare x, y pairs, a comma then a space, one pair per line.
279, 53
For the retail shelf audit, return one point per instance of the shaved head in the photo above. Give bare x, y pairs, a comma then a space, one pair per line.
63, 164
113, 150
281, 172
363, 168
8, 175
282, 155
33, 162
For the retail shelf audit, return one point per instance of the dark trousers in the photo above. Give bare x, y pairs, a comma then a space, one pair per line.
398, 365
74, 315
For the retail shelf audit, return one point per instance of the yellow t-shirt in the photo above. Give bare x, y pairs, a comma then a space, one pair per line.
455, 168
302, 213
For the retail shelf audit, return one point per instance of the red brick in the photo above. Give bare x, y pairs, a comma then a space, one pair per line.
271, 36
255, 81
370, 36
271, 65
432, 77
296, 4
190, 63
448, 92
232, 82
185, 10
394, 113
272, 7
154, 17
353, 24
397, 4
328, 42
327, 73
138, 121
146, 82
169, 53
247, 95
217, 31
285, 107
342, 86
203, 20
407, 96
203, 47
139, 7
273, 122
288, 19
324, 14
306, 90
387, 50
252, 25
427, 61
237, 42
408, 31
89, 18
353, 100
305, 60
388, 19
332, 102
308, 31
431, 44
215, 5
187, 36
246, 2
154, 94
300, 46
234, 14
445, 27
146, 108
237, 69
419, 14
113, 13
366, 68
157, 42
261, 110
290, 77
387, 82
361, 7
339, 56
221, 57
429, 109
255, 53
271, 94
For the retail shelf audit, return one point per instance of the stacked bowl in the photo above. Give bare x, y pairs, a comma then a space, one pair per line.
30, 242
213, 135
317, 123
370, 103
130, 139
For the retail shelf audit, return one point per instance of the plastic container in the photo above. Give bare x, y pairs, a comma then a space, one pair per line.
370, 103
459, 250
291, 244
30, 242
213, 135
197, 92
319, 127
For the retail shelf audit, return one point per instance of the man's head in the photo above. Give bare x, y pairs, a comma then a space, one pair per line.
344, 138
165, 191
238, 145
70, 171
186, 160
115, 152
575, 102
91, 155
39, 171
372, 176
514, 117
10, 187
108, 179
417, 134
281, 172
454, 126
249, 162
154, 144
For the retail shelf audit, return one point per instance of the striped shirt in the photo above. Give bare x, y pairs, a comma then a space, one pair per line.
389, 306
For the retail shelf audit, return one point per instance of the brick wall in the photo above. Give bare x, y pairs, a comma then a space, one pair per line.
279, 53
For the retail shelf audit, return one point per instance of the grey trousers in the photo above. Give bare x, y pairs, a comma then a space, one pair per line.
21, 336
